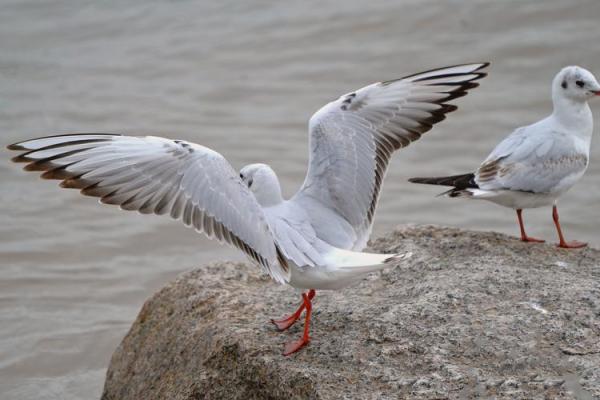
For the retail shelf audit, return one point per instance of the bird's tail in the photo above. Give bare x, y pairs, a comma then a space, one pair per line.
461, 184
359, 262
462, 181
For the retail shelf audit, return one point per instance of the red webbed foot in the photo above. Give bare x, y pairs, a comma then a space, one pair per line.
285, 323
294, 346
573, 244
530, 239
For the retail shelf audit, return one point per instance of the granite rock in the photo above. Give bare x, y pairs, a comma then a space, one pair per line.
469, 315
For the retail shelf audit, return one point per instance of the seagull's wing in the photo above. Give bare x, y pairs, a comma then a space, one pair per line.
353, 137
532, 159
161, 176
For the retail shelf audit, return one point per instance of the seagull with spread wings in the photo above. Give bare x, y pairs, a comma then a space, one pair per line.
311, 241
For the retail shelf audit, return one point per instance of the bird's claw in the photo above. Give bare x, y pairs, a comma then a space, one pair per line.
574, 244
283, 324
530, 239
294, 346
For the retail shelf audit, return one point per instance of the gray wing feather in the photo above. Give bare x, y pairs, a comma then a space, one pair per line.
353, 138
161, 176
532, 159
294, 234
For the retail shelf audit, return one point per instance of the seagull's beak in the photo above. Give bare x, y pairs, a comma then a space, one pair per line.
596, 92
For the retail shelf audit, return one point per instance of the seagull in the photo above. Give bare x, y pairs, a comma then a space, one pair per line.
312, 241
537, 163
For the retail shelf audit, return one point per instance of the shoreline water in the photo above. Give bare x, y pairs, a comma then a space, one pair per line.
242, 79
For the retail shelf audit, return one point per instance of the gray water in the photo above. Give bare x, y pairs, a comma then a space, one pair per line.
242, 78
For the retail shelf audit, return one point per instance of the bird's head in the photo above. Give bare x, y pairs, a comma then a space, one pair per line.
263, 182
576, 84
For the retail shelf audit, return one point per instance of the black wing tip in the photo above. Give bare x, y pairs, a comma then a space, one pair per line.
19, 146
448, 108
479, 74
15, 147
482, 65
75, 134
459, 92
21, 158
475, 71
24, 157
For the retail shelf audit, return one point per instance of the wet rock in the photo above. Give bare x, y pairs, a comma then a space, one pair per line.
469, 315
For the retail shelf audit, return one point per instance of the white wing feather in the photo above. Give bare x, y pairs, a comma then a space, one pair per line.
535, 158
353, 138
157, 175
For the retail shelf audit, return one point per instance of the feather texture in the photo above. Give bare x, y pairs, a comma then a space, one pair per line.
154, 175
352, 138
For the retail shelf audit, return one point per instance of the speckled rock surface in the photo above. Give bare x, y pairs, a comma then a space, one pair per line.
469, 315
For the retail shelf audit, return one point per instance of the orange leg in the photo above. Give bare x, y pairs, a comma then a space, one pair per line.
296, 345
562, 242
524, 236
285, 323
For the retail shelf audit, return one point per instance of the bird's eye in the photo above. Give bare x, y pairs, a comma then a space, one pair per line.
242, 176
579, 83
250, 183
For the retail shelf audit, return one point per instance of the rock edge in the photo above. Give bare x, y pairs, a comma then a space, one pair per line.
469, 315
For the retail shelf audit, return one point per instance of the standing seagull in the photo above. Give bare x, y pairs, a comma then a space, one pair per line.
311, 241
537, 163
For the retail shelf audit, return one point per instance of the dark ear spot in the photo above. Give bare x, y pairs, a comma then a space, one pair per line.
564, 84
250, 182
241, 176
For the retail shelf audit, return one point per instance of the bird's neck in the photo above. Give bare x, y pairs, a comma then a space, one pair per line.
574, 116
270, 194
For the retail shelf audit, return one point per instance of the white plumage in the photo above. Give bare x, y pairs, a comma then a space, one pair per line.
537, 163
311, 241
351, 141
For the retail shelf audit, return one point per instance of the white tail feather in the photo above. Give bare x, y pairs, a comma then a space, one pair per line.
360, 262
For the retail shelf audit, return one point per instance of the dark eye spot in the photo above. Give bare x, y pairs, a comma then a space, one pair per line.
242, 176
564, 84
250, 183
579, 83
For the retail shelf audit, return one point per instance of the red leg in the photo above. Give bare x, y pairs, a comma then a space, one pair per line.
296, 345
524, 237
562, 242
286, 322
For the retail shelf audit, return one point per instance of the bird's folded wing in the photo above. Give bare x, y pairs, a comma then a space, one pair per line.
353, 137
531, 161
161, 176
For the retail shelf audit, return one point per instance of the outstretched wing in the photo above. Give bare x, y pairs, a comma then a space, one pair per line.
161, 176
353, 137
